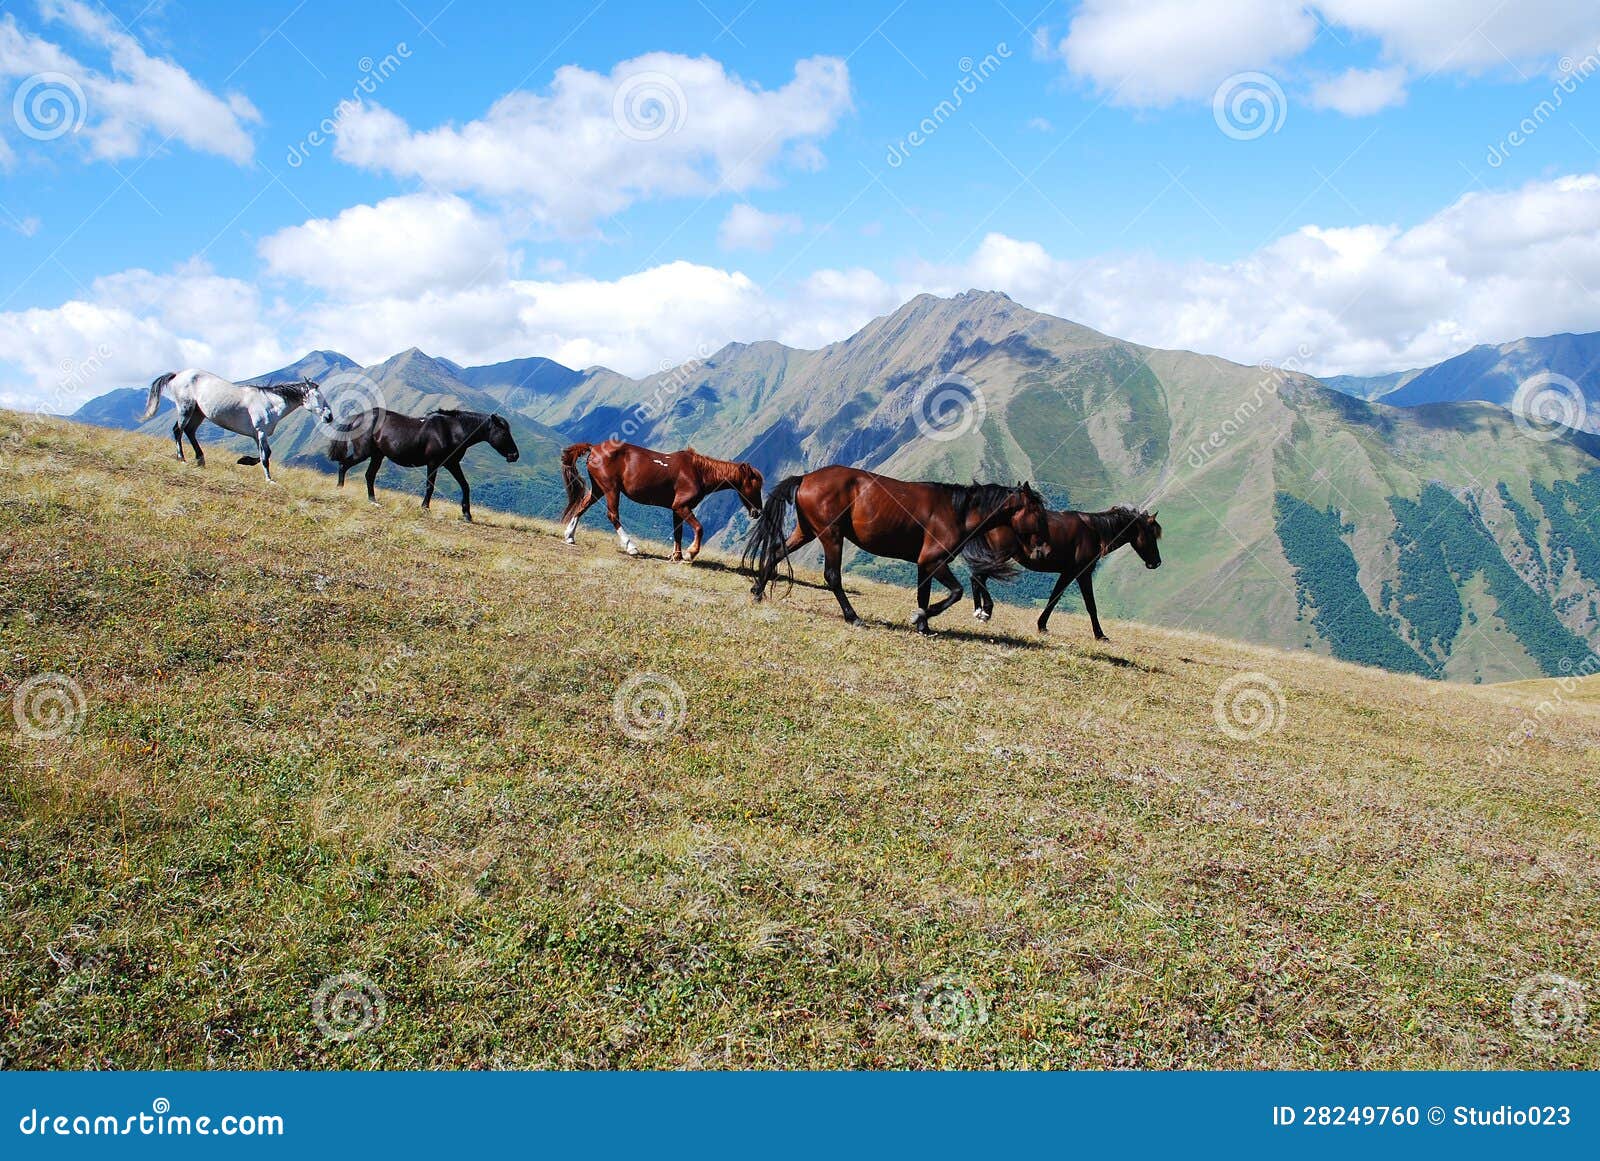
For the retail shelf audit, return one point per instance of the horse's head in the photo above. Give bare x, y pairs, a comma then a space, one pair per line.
312, 399
498, 436
1030, 521
748, 483
1143, 533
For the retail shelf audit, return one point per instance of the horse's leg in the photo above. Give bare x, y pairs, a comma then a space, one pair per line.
694, 549
427, 492
1086, 587
982, 602
372, 475
1062, 582
623, 539
677, 534
466, 490
190, 429
832, 555
266, 455
941, 573
177, 438
588, 501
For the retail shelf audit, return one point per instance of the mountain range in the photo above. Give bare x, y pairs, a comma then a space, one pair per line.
1439, 538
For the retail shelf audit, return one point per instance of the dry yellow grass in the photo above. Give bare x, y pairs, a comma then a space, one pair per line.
320, 739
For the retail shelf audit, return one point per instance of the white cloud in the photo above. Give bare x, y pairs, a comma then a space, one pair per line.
143, 96
747, 228
403, 246
1360, 92
128, 329
1489, 268
658, 125
1156, 52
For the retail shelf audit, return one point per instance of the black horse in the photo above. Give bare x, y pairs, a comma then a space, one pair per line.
437, 440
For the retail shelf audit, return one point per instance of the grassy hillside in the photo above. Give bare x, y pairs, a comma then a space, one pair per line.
320, 739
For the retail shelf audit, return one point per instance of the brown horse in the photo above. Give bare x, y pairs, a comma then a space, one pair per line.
929, 524
677, 480
1078, 542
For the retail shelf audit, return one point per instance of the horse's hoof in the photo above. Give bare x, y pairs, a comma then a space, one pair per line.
569, 540
677, 558
980, 614
466, 517
632, 551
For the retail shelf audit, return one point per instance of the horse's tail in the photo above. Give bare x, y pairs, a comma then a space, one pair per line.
576, 488
153, 401
987, 564
765, 548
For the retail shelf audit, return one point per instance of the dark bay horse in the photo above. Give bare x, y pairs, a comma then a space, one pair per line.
929, 524
437, 440
1078, 542
677, 480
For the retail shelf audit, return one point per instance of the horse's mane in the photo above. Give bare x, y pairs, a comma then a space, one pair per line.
975, 497
458, 413
295, 390
1113, 522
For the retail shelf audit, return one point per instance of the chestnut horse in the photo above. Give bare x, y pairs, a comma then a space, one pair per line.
929, 524
677, 480
1078, 542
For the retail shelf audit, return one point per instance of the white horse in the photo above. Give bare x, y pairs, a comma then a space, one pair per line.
253, 411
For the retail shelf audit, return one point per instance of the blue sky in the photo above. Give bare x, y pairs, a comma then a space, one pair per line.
482, 205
